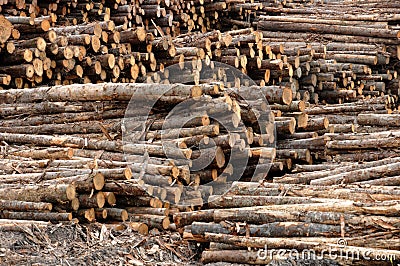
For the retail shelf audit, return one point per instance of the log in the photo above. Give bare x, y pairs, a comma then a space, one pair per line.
52, 193
47, 153
283, 243
153, 221
13, 205
117, 214
96, 92
6, 29
185, 218
327, 29
307, 177
390, 142
248, 201
389, 120
359, 175
278, 229
76, 142
146, 210
92, 201
126, 188
384, 181
65, 117
141, 228
39, 216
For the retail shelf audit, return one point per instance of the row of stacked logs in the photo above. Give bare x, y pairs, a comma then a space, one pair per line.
66, 155
334, 72
332, 87
82, 171
256, 223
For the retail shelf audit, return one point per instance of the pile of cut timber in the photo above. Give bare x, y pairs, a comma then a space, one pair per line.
329, 70
254, 224
67, 141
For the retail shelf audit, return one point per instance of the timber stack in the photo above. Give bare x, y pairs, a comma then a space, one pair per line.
253, 222
75, 147
83, 140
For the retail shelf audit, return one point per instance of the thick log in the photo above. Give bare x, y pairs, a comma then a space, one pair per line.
83, 183
327, 29
39, 216
278, 229
306, 177
147, 210
139, 227
295, 106
285, 125
64, 118
310, 143
273, 213
186, 218
76, 142
60, 107
47, 153
384, 181
92, 201
113, 125
13, 205
280, 243
314, 124
98, 92
117, 214
210, 130
6, 29
153, 221
348, 193
86, 215
54, 193
359, 175
389, 120
24, 70
127, 188
390, 142
248, 201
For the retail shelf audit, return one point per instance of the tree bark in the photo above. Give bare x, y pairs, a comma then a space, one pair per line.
37, 193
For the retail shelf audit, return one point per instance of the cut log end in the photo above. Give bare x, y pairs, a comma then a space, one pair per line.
141, 33
128, 173
71, 192
220, 157
90, 215
141, 228
124, 215
287, 96
98, 181
326, 122
5, 29
100, 199
75, 204
165, 223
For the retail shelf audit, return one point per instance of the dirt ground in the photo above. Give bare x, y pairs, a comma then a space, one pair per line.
75, 244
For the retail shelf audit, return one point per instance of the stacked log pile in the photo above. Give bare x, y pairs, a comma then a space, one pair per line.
73, 148
258, 223
70, 140
87, 50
